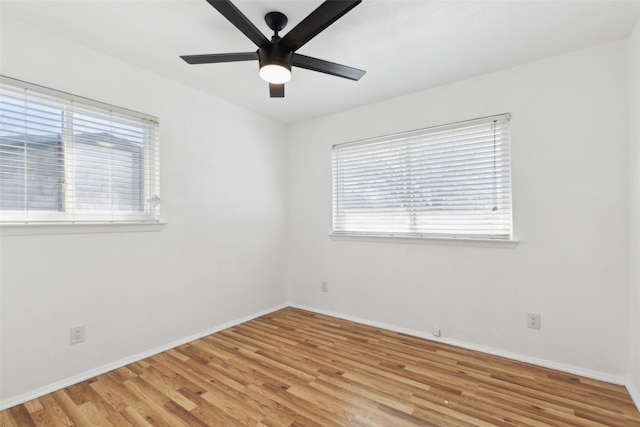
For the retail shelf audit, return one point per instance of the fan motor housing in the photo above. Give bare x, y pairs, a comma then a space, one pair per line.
274, 54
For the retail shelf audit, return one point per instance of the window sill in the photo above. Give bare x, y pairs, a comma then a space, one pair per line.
443, 241
78, 228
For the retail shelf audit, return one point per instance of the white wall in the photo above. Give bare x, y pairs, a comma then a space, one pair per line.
634, 213
569, 139
220, 257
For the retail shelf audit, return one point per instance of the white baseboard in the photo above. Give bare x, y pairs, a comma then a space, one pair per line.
50, 388
470, 346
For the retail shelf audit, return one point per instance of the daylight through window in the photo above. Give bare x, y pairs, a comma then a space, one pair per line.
69, 159
446, 181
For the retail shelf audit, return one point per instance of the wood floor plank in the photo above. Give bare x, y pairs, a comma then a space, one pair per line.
167, 387
20, 416
206, 412
73, 411
55, 415
33, 406
298, 368
7, 420
151, 403
92, 416
113, 392
134, 418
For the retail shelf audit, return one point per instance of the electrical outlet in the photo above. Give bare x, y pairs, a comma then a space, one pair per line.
436, 332
533, 321
324, 287
77, 334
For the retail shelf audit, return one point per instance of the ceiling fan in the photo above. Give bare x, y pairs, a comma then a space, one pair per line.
278, 55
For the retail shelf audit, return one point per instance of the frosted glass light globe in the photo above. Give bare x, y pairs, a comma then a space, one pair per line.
273, 73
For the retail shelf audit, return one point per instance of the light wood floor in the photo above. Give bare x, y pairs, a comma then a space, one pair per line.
296, 368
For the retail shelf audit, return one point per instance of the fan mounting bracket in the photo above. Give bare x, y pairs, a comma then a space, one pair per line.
276, 21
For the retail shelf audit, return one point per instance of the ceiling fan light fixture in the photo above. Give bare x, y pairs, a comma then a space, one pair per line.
275, 73
275, 63
277, 56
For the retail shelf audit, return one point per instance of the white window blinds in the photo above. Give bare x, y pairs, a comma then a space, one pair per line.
445, 181
69, 159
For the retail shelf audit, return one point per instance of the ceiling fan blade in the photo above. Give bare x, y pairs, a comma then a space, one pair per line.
220, 57
276, 90
326, 67
326, 14
233, 15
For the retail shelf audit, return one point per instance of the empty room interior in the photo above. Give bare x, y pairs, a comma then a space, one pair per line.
376, 212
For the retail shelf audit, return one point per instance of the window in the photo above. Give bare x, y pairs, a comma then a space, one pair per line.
66, 159
446, 181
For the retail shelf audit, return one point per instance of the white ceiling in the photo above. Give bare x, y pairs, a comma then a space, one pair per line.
404, 45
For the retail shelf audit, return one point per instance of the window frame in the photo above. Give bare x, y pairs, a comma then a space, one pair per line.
149, 187
341, 230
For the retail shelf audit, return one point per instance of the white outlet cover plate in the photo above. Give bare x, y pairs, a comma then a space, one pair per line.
77, 334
